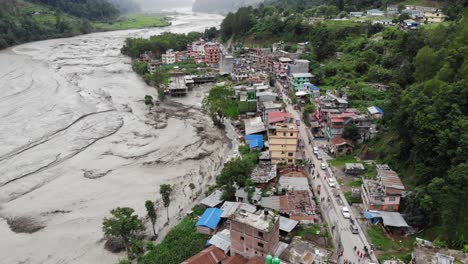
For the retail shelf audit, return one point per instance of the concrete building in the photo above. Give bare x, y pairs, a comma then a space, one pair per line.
254, 234
212, 54
434, 17
154, 65
170, 57
226, 64
283, 143
384, 193
299, 79
177, 86
280, 67
375, 12
299, 66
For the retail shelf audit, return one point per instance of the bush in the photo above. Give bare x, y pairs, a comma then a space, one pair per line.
181, 243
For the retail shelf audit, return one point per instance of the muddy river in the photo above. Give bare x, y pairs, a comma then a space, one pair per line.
77, 140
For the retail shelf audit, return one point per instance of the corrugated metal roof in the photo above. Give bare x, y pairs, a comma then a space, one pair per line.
221, 240
210, 218
213, 199
390, 179
272, 202
293, 183
254, 125
229, 208
287, 224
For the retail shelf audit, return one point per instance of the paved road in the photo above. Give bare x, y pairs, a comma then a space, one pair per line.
331, 206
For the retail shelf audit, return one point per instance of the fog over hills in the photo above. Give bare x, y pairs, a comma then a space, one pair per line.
222, 6
151, 5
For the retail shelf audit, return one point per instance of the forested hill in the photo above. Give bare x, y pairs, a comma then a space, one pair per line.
23, 21
424, 132
222, 6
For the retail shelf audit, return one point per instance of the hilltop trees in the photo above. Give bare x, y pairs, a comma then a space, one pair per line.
124, 225
151, 213
166, 192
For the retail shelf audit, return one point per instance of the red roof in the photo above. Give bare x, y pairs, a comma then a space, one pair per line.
238, 259
337, 120
210, 255
275, 117
340, 141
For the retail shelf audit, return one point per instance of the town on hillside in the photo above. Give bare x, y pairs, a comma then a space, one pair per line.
314, 195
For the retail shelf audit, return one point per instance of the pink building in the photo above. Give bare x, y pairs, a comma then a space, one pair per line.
254, 234
383, 194
212, 54
280, 67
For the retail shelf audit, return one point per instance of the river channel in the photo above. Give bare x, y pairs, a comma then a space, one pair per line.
77, 141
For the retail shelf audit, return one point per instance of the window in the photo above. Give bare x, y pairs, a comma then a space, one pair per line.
242, 238
290, 160
260, 234
290, 154
392, 198
291, 134
260, 244
246, 249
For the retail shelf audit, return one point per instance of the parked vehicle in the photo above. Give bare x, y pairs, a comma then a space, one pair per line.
354, 229
346, 213
331, 182
316, 151
298, 122
323, 165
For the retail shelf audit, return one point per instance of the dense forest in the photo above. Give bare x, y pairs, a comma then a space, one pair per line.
424, 134
23, 21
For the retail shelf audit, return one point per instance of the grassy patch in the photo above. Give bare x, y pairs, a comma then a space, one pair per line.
308, 231
371, 171
180, 243
352, 200
355, 183
340, 161
135, 21
378, 238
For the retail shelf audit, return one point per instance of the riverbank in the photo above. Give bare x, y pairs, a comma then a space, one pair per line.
80, 141
133, 21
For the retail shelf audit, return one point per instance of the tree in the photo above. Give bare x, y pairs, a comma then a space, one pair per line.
123, 224
166, 191
151, 213
427, 64
149, 101
351, 132
309, 108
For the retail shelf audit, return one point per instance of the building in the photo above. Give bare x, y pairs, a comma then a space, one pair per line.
340, 146
356, 14
153, 66
283, 143
239, 74
280, 67
384, 193
247, 100
254, 234
254, 125
170, 57
226, 65
212, 54
434, 17
354, 168
375, 112
299, 79
299, 66
414, 14
392, 11
210, 255
314, 90
209, 221
410, 24
375, 12
177, 85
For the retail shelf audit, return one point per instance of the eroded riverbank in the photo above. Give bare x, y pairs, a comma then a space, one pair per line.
77, 141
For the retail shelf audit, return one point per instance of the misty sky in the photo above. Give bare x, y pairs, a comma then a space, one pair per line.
163, 4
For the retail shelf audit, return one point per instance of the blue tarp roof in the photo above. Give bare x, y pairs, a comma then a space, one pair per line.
378, 109
210, 218
312, 87
255, 140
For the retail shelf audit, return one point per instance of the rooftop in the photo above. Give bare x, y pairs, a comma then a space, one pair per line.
293, 183
302, 75
390, 179
230, 208
284, 59
210, 255
213, 199
258, 220
221, 240
354, 166
210, 218
275, 117
254, 125
338, 141
263, 173
287, 224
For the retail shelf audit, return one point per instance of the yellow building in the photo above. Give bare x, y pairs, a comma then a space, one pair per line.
283, 143
434, 17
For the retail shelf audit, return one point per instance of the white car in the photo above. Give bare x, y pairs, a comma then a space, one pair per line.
316, 150
331, 182
345, 212
323, 166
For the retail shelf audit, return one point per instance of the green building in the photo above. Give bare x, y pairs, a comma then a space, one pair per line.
298, 79
247, 101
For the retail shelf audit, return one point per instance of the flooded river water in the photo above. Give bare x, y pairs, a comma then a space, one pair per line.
77, 140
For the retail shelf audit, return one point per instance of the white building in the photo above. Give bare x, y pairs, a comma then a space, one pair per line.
170, 57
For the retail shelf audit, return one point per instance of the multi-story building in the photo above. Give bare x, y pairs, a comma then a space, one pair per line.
212, 54
254, 234
280, 67
283, 143
299, 79
196, 50
299, 66
154, 65
434, 17
384, 193
170, 57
